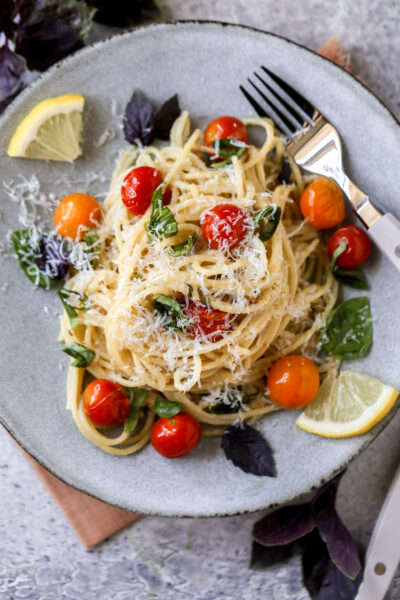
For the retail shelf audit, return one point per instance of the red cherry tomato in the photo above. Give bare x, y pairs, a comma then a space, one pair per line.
358, 246
105, 403
225, 226
293, 382
138, 188
205, 321
176, 436
74, 213
225, 128
322, 204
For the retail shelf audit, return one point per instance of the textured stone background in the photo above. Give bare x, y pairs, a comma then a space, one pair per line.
179, 559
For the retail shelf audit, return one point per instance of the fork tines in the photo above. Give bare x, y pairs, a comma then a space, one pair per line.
278, 100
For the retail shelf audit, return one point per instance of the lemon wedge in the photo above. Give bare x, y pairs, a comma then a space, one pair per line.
347, 406
51, 131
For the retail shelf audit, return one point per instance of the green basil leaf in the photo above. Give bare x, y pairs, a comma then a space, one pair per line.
165, 408
92, 242
70, 309
136, 397
348, 329
25, 243
83, 356
226, 148
272, 213
171, 311
339, 250
351, 277
183, 249
228, 403
162, 222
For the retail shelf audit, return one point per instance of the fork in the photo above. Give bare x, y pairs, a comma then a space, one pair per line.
315, 145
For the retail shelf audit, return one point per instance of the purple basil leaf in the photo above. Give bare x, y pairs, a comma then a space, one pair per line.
248, 450
44, 39
8, 10
323, 580
165, 117
285, 172
139, 120
12, 75
74, 13
126, 13
340, 544
284, 525
266, 556
52, 256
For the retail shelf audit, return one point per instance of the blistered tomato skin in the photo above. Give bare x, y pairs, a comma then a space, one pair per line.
105, 403
74, 213
322, 204
358, 246
225, 226
226, 128
138, 188
176, 436
205, 321
293, 382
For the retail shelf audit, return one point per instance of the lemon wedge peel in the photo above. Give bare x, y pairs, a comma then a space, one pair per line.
51, 130
346, 394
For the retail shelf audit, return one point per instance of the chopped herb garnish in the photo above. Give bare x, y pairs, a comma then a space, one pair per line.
136, 398
83, 356
272, 213
165, 408
162, 222
183, 249
70, 309
171, 312
92, 242
348, 329
351, 277
226, 148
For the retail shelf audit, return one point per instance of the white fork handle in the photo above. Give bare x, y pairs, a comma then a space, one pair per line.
383, 553
386, 235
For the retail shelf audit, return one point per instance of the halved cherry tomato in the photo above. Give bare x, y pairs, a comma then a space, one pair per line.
176, 436
138, 188
293, 382
74, 213
322, 204
358, 246
205, 321
225, 226
225, 128
105, 403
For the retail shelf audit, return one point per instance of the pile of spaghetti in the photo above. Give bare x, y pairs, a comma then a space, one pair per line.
277, 293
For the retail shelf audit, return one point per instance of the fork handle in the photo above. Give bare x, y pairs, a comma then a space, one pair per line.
386, 235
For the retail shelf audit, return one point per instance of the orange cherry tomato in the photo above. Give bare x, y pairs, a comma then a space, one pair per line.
322, 204
358, 246
225, 128
105, 403
225, 226
74, 212
293, 382
176, 436
205, 321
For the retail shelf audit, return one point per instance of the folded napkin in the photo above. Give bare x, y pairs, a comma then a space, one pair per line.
93, 520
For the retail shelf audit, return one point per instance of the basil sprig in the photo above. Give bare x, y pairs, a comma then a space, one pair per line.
165, 408
136, 398
351, 277
272, 213
25, 249
348, 329
171, 312
162, 222
70, 309
183, 249
83, 356
226, 148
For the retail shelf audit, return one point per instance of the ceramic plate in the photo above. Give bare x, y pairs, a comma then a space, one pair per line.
204, 63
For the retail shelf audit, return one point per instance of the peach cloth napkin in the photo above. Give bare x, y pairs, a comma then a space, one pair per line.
93, 520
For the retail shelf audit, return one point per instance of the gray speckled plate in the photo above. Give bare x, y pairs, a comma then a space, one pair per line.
204, 63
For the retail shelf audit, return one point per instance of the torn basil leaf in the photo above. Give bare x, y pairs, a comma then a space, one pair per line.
271, 213
165, 408
248, 450
78, 299
165, 117
348, 329
226, 149
136, 398
12, 75
25, 243
338, 251
83, 356
285, 172
351, 277
230, 402
139, 120
171, 312
162, 222
183, 249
